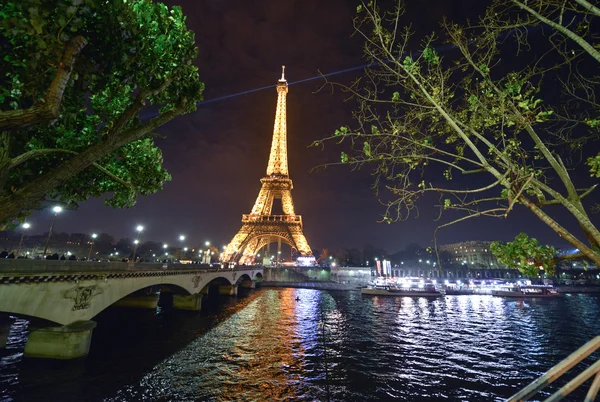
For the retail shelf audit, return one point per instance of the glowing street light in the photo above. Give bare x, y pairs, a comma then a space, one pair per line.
94, 235
139, 229
24, 226
57, 209
181, 239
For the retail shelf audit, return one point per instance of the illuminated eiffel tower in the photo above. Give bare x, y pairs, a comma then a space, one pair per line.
260, 227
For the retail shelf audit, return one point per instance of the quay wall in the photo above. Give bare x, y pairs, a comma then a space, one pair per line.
296, 274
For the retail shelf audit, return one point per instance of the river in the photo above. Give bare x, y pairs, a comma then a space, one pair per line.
337, 346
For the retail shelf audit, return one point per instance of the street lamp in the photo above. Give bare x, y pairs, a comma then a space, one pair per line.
135, 243
94, 235
138, 229
181, 239
57, 209
23, 226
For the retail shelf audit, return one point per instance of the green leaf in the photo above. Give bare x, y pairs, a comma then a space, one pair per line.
431, 56
367, 149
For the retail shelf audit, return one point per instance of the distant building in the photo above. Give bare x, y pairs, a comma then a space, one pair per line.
475, 254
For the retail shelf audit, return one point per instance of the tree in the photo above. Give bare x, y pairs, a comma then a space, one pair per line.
526, 255
79, 84
422, 118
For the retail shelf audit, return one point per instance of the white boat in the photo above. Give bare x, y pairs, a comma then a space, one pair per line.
405, 287
516, 290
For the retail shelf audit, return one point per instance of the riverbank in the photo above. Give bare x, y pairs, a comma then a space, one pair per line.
322, 285
309, 285
578, 289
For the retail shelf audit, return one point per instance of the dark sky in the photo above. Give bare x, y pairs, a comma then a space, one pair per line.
218, 154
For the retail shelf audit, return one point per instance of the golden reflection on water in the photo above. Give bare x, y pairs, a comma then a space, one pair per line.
278, 366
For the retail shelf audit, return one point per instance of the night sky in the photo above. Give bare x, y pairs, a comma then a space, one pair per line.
218, 154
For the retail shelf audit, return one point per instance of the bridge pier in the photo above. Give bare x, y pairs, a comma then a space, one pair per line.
248, 284
187, 302
139, 301
228, 290
66, 342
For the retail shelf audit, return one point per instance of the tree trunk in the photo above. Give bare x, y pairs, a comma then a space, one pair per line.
4, 159
48, 109
561, 231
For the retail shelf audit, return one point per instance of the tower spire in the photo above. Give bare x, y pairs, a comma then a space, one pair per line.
278, 164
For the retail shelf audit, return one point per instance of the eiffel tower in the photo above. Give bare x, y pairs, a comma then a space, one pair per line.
260, 227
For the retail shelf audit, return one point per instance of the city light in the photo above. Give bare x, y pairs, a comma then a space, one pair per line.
25, 226
57, 209
181, 238
94, 235
139, 229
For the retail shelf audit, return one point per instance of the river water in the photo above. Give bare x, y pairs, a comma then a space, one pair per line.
337, 346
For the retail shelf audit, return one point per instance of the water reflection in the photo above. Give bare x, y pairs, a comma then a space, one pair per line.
296, 344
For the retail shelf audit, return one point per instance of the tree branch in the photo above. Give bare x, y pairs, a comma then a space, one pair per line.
39, 152
565, 31
16, 161
48, 108
590, 7
138, 103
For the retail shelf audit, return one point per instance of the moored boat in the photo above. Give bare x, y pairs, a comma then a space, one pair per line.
515, 290
386, 290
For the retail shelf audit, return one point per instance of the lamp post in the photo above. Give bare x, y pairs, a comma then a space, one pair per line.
139, 229
181, 239
206, 257
135, 243
165, 247
94, 235
57, 209
23, 226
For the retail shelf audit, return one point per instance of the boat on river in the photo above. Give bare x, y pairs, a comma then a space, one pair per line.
516, 290
407, 288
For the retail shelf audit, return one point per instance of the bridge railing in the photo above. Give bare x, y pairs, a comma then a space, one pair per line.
31, 266
561, 368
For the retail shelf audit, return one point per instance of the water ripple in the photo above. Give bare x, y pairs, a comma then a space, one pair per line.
339, 346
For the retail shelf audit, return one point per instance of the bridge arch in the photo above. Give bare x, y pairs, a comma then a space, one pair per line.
81, 299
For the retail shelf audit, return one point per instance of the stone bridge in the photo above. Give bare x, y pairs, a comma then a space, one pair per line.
71, 293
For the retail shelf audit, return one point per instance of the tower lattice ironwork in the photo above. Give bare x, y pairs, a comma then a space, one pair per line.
260, 227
